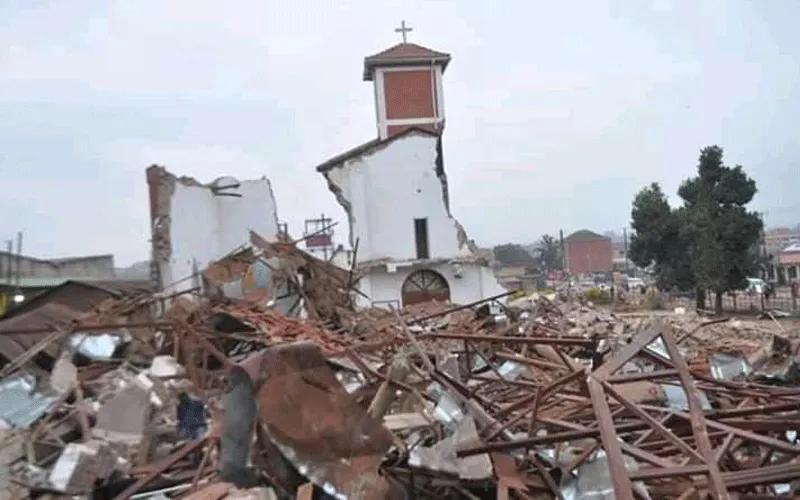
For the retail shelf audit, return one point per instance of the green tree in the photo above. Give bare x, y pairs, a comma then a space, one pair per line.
710, 243
511, 254
549, 252
658, 241
723, 235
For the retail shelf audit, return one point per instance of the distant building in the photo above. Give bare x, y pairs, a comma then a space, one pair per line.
518, 277
90, 266
318, 237
786, 264
138, 271
778, 238
782, 244
588, 252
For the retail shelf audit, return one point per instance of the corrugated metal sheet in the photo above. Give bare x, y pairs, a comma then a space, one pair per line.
97, 345
21, 406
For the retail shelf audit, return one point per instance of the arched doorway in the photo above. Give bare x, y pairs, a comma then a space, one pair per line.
425, 286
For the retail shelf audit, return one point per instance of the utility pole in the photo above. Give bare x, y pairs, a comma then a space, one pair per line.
764, 268
19, 258
625, 248
9, 265
18, 297
6, 277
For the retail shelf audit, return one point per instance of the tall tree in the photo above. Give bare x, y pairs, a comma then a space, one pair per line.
724, 236
549, 252
711, 242
658, 241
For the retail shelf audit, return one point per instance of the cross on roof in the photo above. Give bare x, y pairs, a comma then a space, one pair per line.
403, 30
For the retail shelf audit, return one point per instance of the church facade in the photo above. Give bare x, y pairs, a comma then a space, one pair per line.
408, 246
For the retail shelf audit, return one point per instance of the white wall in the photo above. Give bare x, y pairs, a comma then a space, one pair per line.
476, 282
387, 190
205, 227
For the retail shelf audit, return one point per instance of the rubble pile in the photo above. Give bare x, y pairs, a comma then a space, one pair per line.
545, 397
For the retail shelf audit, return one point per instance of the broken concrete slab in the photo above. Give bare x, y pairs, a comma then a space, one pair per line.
64, 375
124, 418
80, 465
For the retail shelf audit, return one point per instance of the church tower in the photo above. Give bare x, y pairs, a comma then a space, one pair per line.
408, 87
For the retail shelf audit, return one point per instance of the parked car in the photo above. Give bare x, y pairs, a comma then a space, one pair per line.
636, 283
757, 285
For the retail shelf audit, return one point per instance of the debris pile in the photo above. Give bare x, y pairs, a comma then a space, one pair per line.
203, 396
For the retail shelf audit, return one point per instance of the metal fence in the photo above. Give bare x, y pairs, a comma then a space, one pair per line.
744, 302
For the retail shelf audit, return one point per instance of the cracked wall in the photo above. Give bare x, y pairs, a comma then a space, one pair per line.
383, 191
194, 224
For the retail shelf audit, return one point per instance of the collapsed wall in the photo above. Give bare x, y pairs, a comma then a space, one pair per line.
195, 224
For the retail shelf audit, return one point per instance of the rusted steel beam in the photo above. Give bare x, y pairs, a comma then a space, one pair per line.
699, 429
767, 441
158, 470
545, 392
539, 363
619, 359
623, 488
457, 308
569, 341
548, 439
635, 377
657, 426
210, 348
649, 474
534, 414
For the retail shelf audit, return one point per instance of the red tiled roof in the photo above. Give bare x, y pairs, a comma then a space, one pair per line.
404, 54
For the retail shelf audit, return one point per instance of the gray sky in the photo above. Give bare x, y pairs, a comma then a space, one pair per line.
557, 112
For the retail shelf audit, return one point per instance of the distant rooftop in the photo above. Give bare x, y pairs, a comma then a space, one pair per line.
585, 235
794, 247
52, 282
404, 54
59, 261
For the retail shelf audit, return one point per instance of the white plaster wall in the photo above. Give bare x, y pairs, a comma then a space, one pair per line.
387, 190
476, 282
205, 227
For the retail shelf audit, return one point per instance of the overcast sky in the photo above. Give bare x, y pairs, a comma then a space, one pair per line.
557, 112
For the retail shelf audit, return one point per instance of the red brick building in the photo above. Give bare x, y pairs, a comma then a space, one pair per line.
587, 252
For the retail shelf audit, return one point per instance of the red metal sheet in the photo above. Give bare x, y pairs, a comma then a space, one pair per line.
318, 426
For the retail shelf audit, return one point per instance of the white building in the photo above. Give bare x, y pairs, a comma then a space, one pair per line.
393, 189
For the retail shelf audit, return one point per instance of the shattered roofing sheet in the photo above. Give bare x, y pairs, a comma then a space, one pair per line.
20, 406
319, 427
96, 346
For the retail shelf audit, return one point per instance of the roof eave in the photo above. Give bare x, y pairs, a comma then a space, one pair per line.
338, 161
371, 64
